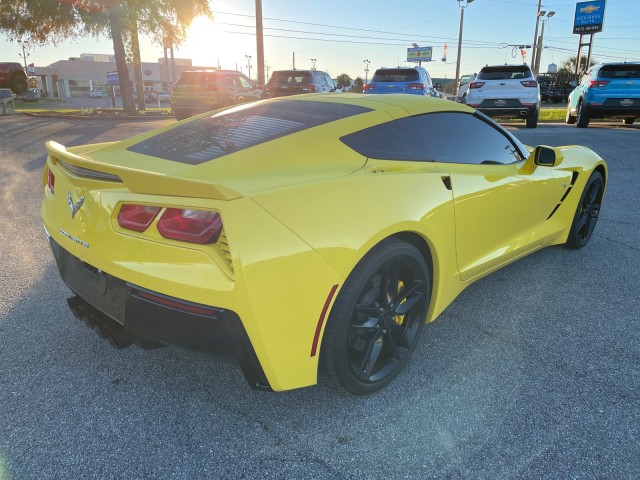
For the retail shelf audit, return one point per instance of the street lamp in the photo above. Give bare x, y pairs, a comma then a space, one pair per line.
24, 54
542, 18
248, 57
366, 70
314, 60
462, 4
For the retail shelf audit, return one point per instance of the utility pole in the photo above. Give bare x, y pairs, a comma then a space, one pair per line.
259, 43
462, 7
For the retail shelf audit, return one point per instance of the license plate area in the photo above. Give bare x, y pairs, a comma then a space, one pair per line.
103, 291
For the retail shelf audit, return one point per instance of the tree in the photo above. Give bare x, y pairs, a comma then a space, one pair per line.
46, 22
343, 81
569, 65
358, 83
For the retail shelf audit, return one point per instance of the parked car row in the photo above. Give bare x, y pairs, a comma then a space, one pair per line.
498, 91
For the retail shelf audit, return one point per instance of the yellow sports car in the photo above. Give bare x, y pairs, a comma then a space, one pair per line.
306, 236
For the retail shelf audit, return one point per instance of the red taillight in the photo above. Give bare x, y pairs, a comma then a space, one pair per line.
51, 180
597, 83
194, 226
368, 86
529, 83
137, 217
416, 86
473, 85
309, 88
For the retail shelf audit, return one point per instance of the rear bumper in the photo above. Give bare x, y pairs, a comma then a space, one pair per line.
125, 314
603, 111
521, 112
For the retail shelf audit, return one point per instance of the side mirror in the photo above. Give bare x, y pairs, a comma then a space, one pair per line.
546, 156
542, 156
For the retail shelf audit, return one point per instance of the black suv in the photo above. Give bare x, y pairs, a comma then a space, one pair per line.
293, 82
12, 76
199, 91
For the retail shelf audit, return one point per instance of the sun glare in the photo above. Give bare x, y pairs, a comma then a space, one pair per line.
202, 39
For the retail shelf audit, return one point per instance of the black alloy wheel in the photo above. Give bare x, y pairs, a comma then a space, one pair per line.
532, 118
569, 119
582, 119
377, 319
586, 216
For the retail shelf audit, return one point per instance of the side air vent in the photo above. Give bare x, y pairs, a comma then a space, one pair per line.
226, 251
574, 178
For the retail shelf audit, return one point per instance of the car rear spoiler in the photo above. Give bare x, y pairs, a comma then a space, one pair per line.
142, 181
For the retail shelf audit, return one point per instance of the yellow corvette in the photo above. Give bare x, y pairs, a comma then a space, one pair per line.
309, 235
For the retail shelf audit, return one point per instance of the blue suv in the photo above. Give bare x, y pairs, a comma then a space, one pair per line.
607, 90
412, 80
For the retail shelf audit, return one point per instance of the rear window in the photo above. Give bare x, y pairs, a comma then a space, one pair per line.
293, 77
619, 71
396, 75
197, 78
506, 72
233, 130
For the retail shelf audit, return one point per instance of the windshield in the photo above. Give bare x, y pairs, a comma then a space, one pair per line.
292, 77
505, 72
396, 75
619, 71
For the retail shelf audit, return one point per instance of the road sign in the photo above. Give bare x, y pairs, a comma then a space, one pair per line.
420, 54
589, 17
112, 78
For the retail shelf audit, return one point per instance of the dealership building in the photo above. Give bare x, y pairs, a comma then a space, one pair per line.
77, 76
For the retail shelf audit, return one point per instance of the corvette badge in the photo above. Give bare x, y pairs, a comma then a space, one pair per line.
74, 207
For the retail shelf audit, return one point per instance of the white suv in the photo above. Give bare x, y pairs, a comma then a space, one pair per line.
506, 91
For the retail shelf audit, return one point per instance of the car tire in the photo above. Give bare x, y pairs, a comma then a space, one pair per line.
18, 84
181, 115
582, 119
629, 121
532, 119
586, 216
377, 319
569, 119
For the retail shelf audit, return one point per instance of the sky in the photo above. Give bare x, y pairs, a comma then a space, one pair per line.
341, 35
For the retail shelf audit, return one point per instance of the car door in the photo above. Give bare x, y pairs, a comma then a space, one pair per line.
500, 203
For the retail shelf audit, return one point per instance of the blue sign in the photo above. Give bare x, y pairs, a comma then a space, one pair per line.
589, 17
112, 78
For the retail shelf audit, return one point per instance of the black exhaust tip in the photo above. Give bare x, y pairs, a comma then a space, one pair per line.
106, 327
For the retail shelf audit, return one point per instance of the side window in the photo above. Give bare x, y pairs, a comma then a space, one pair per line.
436, 137
483, 142
245, 82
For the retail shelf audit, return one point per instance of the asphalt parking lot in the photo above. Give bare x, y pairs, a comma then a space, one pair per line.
532, 372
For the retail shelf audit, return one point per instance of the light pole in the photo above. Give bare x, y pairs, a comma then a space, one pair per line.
314, 60
462, 4
536, 69
248, 57
535, 37
24, 55
366, 70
